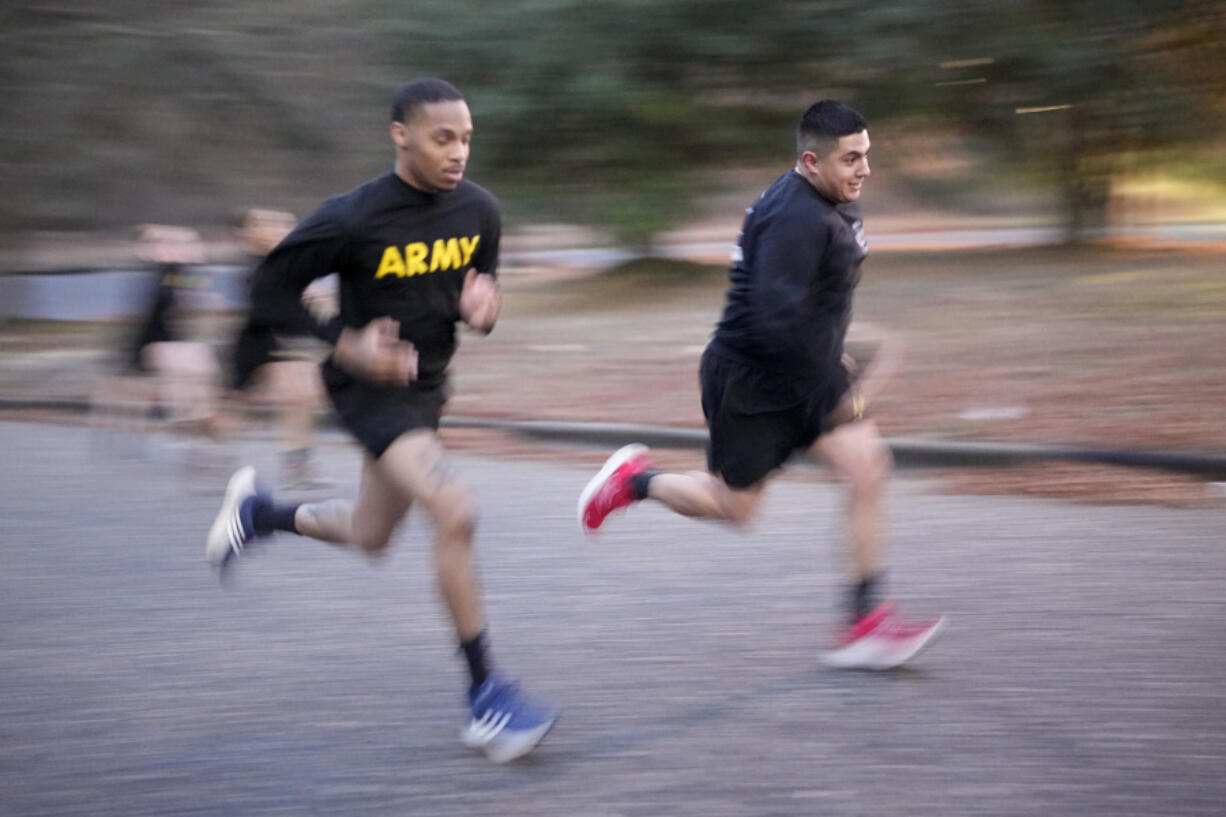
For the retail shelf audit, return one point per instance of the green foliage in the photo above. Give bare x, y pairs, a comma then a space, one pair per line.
1086, 91
621, 103
613, 112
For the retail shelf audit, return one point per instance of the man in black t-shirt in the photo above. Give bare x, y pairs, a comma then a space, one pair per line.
776, 380
184, 367
415, 251
272, 368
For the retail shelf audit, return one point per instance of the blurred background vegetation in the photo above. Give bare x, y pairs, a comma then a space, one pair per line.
622, 114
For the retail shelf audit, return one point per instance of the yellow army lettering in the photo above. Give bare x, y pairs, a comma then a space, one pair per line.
445, 254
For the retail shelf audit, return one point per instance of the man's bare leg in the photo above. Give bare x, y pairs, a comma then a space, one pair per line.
415, 465
876, 636
412, 468
627, 477
705, 496
299, 393
855, 452
294, 390
859, 456
504, 724
366, 524
187, 376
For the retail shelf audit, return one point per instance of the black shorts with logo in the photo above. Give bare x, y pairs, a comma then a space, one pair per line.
376, 415
758, 419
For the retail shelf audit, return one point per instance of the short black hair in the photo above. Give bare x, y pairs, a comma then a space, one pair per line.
824, 124
421, 91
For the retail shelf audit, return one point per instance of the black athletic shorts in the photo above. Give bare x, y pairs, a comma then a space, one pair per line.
376, 415
256, 346
758, 419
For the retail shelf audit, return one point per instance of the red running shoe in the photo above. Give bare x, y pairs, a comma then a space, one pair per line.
610, 489
883, 639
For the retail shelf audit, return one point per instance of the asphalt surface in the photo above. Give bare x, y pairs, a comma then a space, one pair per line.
1082, 672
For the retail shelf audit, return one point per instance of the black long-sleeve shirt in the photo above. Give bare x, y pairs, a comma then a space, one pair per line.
793, 273
398, 252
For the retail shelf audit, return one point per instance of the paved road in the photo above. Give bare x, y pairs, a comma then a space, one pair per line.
1082, 674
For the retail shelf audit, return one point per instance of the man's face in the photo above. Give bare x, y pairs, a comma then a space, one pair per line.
840, 174
432, 147
263, 229
165, 244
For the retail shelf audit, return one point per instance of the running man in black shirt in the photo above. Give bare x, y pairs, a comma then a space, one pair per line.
273, 369
416, 251
775, 379
184, 368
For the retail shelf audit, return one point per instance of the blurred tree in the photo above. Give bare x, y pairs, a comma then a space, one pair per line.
1086, 91
128, 111
613, 112
617, 110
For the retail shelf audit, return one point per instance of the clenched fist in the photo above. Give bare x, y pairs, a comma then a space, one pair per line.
376, 353
480, 301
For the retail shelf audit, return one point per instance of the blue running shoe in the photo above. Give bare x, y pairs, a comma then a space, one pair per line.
505, 725
234, 527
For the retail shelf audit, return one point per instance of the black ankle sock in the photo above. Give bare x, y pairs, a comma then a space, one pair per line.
639, 481
476, 653
863, 598
269, 517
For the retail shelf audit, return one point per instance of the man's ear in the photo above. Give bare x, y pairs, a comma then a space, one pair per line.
400, 134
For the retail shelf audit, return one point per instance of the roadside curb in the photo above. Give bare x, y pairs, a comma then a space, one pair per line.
908, 451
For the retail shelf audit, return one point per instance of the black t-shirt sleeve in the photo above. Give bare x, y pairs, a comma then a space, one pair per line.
485, 259
315, 248
787, 259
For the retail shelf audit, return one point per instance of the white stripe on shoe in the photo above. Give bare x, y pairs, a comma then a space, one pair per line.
493, 723
227, 529
495, 726
482, 731
236, 532
510, 745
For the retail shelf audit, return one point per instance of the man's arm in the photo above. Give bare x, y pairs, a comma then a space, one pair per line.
314, 248
376, 353
881, 365
480, 301
785, 270
881, 362
480, 298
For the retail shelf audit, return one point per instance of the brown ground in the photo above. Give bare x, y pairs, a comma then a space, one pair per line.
1100, 346
1111, 347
